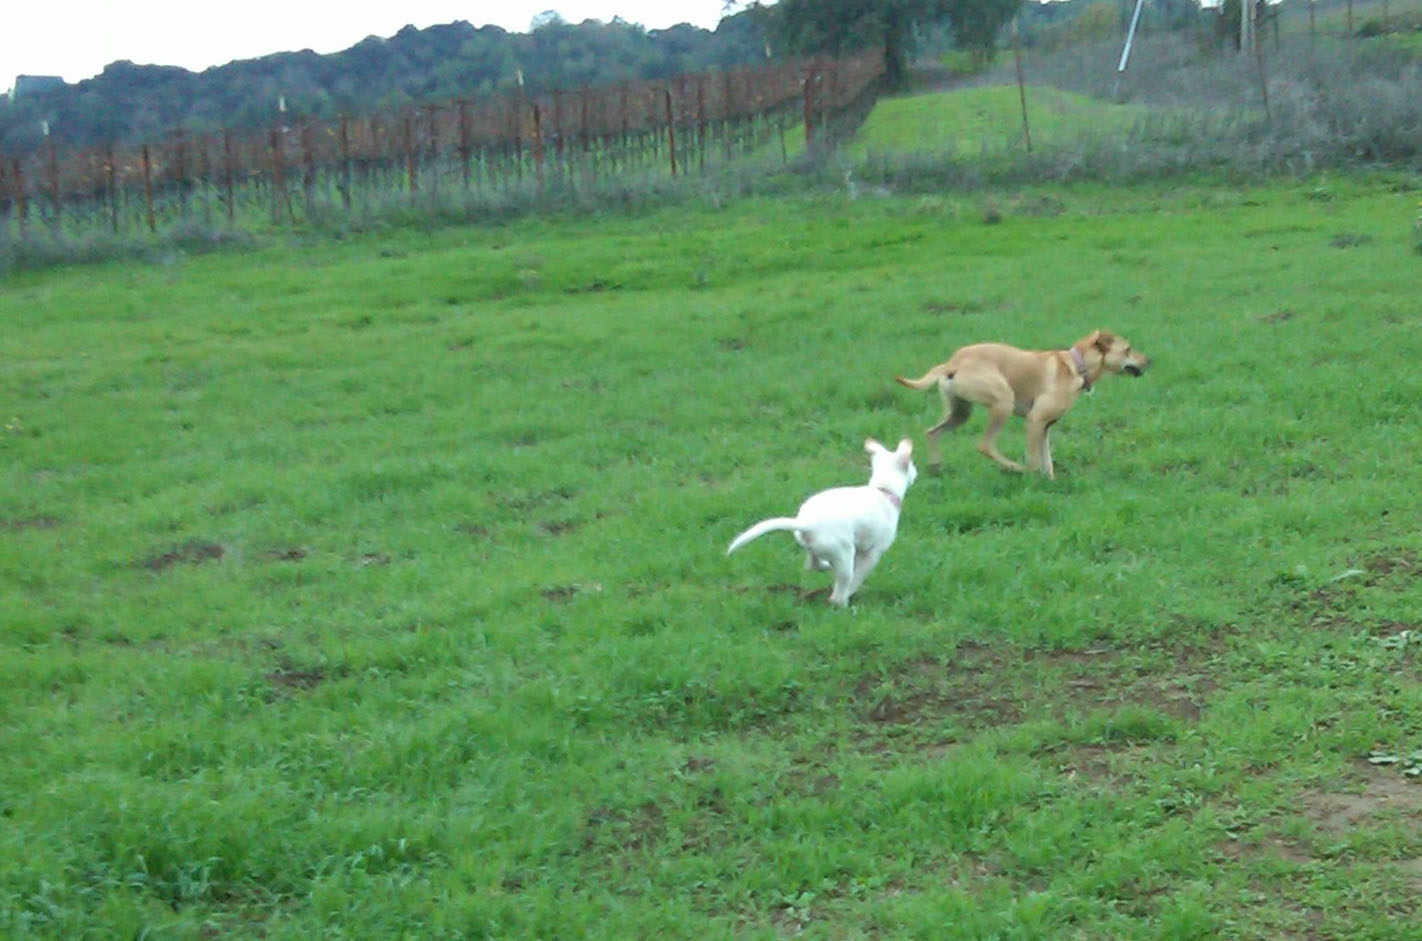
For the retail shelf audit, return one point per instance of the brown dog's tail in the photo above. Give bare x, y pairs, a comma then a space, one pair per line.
930, 378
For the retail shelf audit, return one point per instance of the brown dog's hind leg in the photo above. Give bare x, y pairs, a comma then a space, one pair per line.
998, 414
955, 412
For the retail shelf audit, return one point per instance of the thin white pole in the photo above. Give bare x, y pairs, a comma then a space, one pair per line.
1126, 49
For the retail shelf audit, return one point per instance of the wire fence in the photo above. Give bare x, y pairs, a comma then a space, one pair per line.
310, 170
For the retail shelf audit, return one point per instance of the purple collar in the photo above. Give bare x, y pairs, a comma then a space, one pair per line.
894, 498
1080, 362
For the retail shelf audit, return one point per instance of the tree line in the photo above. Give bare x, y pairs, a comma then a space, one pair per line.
128, 104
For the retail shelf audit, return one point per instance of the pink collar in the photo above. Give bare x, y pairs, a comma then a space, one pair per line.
894, 498
1080, 362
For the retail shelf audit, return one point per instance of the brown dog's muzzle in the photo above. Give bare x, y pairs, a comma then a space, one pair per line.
1135, 368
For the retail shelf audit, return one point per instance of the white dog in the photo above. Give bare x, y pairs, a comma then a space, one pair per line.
848, 529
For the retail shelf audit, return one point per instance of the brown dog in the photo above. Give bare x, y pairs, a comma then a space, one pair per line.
1040, 385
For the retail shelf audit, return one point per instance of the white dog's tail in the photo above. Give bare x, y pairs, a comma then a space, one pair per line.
773, 525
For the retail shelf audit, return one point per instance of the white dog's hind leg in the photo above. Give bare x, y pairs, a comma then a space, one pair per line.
841, 561
813, 563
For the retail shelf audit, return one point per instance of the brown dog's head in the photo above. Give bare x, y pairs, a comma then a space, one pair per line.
1117, 355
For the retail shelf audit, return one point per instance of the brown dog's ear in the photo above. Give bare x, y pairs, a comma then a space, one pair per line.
1103, 340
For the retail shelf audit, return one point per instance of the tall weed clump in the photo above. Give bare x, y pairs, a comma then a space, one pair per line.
45, 247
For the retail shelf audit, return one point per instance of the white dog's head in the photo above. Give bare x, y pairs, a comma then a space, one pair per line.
892, 470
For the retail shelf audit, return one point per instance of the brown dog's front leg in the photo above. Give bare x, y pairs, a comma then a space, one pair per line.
1037, 446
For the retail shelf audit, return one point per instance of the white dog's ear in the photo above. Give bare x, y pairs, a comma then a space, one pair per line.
873, 447
905, 447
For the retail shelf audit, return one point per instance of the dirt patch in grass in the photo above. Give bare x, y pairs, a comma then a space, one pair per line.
559, 527
941, 308
1339, 606
24, 523
1099, 765
561, 594
1381, 789
972, 690
1404, 562
624, 829
809, 776
781, 588
523, 503
191, 553
1278, 316
292, 554
1372, 796
294, 678
1386, 629
983, 686
1268, 848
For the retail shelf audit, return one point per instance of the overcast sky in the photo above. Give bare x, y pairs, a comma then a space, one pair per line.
75, 39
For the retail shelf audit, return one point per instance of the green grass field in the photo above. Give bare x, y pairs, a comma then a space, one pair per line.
986, 120
377, 588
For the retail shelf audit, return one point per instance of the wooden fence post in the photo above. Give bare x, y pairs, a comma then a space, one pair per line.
727, 109
466, 146
205, 175
229, 170
515, 106
407, 143
56, 198
6, 203
559, 149
431, 148
811, 75
180, 170
22, 204
585, 137
701, 122
148, 191
538, 144
281, 196
344, 140
308, 171
671, 130
111, 185
625, 117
